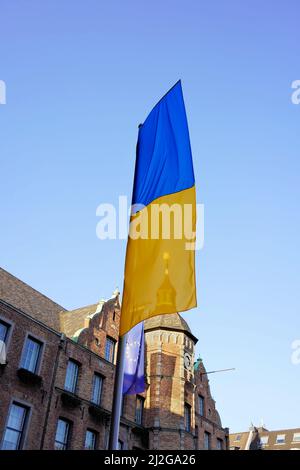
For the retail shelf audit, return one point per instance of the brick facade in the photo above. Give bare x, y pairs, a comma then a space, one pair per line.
174, 383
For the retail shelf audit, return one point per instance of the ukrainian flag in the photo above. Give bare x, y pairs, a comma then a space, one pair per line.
160, 259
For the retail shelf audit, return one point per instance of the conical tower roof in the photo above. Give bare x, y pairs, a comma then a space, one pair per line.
170, 321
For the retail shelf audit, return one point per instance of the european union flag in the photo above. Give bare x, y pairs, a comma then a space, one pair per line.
134, 374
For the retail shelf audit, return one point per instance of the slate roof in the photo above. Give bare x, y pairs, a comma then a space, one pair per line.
170, 321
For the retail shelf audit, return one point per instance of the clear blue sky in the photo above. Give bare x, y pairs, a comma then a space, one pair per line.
80, 77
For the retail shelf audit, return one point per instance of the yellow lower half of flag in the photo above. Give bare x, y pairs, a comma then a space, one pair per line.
160, 259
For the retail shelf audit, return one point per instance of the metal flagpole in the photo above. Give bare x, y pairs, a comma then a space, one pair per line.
118, 393
117, 397
214, 371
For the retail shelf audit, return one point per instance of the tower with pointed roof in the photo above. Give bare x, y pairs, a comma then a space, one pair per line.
170, 405
179, 408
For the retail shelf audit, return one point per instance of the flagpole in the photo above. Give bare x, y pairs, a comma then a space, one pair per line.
117, 397
118, 393
214, 371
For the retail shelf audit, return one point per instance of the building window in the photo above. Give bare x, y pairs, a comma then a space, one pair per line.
97, 389
296, 437
110, 349
90, 440
238, 437
201, 405
120, 445
71, 376
4, 330
62, 436
187, 417
139, 409
219, 444
206, 440
280, 439
14, 431
31, 354
264, 440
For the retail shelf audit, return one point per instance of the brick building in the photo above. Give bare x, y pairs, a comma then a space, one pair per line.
57, 377
262, 439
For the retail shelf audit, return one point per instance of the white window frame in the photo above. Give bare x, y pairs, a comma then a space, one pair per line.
264, 440
280, 437
297, 434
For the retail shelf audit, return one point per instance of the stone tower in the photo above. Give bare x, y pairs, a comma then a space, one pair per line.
170, 398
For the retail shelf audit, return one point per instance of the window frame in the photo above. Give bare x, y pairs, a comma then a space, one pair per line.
220, 443
187, 414
264, 440
25, 423
113, 343
282, 436
11, 326
95, 435
201, 404
76, 363
208, 436
100, 376
68, 436
8, 328
38, 364
139, 412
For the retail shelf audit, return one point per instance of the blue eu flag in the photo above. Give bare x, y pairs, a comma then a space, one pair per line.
134, 374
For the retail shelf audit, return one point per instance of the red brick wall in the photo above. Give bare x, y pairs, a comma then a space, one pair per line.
210, 422
45, 401
170, 385
12, 388
103, 324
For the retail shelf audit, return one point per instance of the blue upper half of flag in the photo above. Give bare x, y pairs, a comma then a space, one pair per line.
134, 368
164, 158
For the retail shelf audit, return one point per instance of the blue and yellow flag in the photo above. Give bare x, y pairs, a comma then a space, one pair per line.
160, 258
